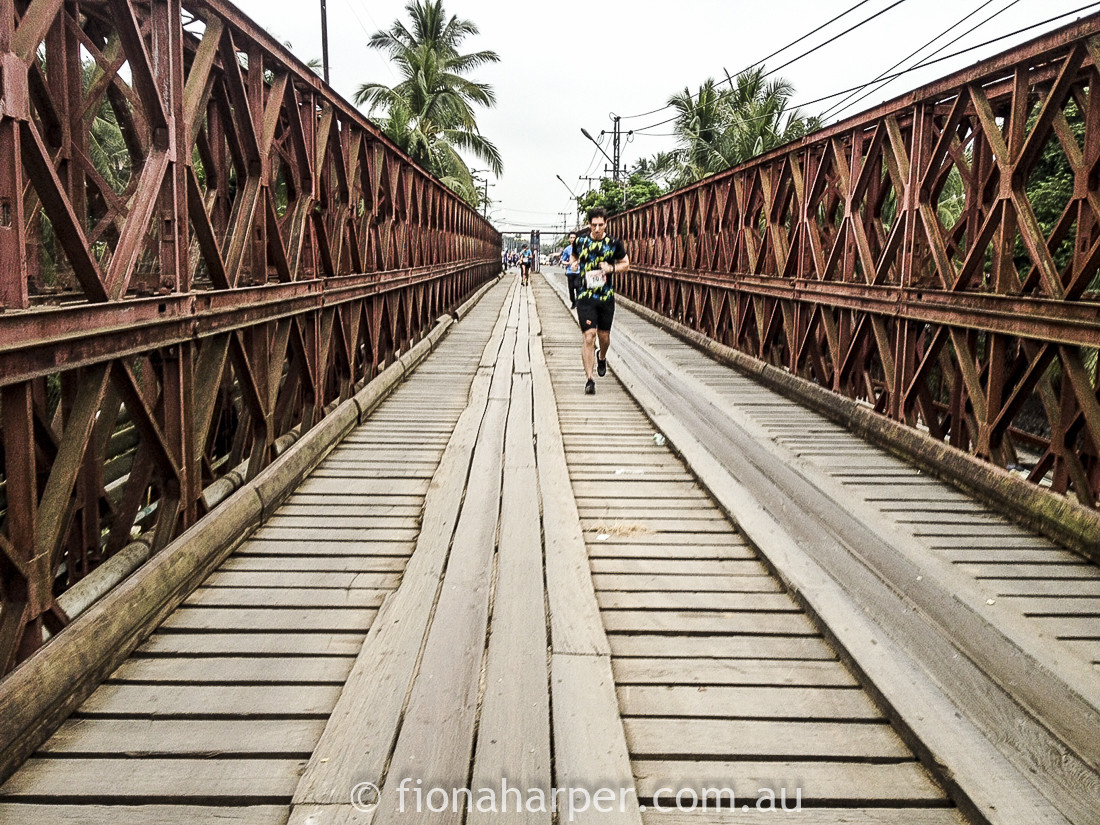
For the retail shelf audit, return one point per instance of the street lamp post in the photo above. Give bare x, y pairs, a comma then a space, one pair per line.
576, 200
616, 147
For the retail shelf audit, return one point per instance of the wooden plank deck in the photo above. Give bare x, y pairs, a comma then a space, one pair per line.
721, 679
216, 715
500, 582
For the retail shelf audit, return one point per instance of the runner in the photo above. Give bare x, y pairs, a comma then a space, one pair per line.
599, 257
570, 270
524, 265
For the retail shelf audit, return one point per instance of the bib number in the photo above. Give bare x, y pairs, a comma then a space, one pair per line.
595, 279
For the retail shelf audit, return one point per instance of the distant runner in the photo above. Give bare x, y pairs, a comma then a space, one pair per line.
571, 270
524, 265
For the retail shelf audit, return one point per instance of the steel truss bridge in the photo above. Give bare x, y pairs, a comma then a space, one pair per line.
297, 491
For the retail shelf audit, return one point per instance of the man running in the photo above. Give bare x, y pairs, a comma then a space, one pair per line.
524, 265
570, 265
600, 257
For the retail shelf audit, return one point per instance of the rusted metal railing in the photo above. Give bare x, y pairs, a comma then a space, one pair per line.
935, 257
202, 248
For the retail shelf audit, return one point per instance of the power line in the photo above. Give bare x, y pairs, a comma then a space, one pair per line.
643, 130
843, 104
848, 30
789, 45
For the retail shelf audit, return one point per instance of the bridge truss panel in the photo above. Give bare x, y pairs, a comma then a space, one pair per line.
936, 257
202, 250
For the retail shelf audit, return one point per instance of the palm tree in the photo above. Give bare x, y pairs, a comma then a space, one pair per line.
717, 127
702, 128
430, 112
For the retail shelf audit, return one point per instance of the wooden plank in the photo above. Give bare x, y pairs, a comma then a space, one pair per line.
450, 664
782, 648
612, 534
1068, 588
513, 735
644, 489
243, 781
1056, 606
1026, 555
362, 486
307, 565
821, 782
674, 528
1046, 572
310, 506
750, 738
359, 737
1078, 628
739, 702
589, 741
25, 814
723, 584
667, 508
227, 644
142, 737
681, 567
290, 547
589, 744
575, 624
812, 816
341, 580
335, 534
670, 551
354, 521
301, 619
242, 669
697, 622
690, 600
788, 543
696, 671
204, 700
285, 597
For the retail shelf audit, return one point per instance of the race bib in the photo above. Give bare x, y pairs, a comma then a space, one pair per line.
594, 279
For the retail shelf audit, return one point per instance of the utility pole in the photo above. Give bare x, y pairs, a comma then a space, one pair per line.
475, 174
324, 41
617, 171
616, 148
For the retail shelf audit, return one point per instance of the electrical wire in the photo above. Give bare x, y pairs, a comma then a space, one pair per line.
843, 105
849, 10
644, 130
849, 30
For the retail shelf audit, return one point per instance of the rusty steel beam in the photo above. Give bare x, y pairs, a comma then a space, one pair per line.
249, 251
897, 257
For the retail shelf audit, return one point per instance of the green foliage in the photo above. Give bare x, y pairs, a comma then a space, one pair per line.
718, 127
430, 112
1050, 188
610, 194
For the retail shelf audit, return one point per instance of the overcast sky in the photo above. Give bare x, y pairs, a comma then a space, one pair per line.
569, 65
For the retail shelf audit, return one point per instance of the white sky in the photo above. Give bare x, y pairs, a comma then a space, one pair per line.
569, 64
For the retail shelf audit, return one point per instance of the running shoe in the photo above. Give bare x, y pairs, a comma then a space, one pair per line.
590, 387
601, 366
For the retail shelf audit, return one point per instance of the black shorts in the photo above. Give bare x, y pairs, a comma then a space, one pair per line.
596, 314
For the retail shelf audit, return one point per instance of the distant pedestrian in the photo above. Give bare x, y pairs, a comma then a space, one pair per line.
600, 258
525, 257
571, 270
